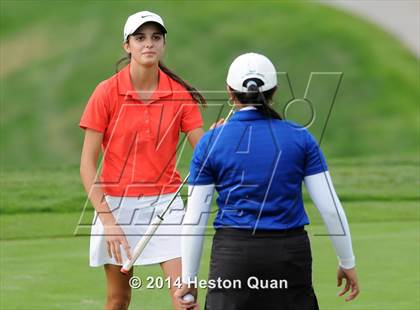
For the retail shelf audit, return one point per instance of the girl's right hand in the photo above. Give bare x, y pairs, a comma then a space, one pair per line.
220, 122
183, 290
115, 238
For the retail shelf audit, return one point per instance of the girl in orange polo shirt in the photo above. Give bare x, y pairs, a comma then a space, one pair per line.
135, 117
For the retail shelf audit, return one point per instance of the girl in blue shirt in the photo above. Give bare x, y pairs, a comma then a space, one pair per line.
257, 162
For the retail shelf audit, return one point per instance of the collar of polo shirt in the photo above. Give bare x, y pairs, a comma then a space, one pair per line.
248, 108
125, 87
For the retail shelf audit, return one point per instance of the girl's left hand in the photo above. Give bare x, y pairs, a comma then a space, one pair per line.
352, 282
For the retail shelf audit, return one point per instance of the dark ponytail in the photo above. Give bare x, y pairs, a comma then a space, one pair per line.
195, 94
125, 59
253, 96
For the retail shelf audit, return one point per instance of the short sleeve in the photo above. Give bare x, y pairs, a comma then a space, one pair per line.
200, 167
96, 114
314, 159
191, 116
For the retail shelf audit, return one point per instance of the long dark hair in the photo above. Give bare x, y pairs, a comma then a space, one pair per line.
253, 96
197, 96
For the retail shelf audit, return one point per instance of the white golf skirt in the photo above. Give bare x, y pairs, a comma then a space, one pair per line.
134, 216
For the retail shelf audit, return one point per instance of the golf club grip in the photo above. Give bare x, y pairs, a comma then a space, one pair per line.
142, 243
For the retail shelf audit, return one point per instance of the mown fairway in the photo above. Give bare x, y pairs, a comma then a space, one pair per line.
53, 273
44, 266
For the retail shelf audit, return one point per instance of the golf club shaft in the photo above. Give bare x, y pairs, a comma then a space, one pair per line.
155, 224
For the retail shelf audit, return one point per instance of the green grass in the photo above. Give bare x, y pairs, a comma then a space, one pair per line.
55, 53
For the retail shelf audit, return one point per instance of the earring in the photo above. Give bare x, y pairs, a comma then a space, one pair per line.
230, 102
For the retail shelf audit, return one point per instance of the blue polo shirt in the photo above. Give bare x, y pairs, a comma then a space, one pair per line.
258, 166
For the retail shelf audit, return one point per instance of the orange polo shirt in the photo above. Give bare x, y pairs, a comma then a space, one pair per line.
140, 140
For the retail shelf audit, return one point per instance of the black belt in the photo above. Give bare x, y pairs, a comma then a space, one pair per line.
260, 232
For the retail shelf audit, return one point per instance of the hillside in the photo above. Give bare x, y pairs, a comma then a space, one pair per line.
54, 54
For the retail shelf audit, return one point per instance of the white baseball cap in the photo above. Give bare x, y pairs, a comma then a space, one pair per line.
136, 20
251, 65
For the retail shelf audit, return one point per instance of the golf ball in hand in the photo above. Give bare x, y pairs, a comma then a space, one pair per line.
188, 298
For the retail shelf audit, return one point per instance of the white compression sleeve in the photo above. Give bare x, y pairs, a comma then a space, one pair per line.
193, 229
323, 195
